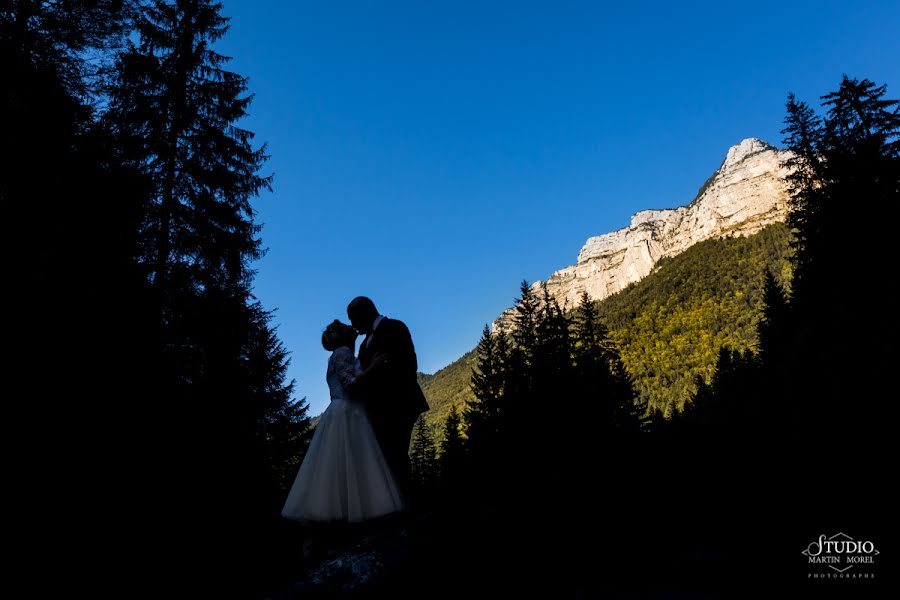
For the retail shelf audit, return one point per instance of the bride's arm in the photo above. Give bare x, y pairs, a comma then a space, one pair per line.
346, 367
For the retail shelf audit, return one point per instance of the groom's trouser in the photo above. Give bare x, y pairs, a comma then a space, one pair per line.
393, 437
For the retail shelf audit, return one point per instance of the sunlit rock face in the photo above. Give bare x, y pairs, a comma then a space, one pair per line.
744, 195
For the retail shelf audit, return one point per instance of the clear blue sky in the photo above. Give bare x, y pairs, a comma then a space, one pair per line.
431, 155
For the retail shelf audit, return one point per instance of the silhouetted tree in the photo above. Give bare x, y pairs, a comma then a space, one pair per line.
846, 169
283, 424
452, 458
553, 354
771, 329
74, 41
177, 107
803, 137
602, 380
174, 108
729, 403
814, 345
520, 376
483, 415
423, 456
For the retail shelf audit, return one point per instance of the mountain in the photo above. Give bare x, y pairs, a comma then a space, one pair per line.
676, 284
670, 325
746, 193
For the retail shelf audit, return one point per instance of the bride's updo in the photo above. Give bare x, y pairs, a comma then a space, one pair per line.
337, 334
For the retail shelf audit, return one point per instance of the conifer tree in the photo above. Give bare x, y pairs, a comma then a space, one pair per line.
602, 375
176, 106
283, 425
174, 109
423, 456
483, 413
527, 321
553, 358
72, 40
803, 135
856, 175
520, 373
772, 327
452, 458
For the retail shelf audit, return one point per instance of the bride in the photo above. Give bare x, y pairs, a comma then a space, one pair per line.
344, 476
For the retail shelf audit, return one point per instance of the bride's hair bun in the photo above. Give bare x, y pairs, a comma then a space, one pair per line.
335, 335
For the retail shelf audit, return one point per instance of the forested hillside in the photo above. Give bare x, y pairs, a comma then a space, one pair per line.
671, 324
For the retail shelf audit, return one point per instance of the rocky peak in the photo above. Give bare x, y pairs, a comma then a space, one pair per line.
746, 148
745, 194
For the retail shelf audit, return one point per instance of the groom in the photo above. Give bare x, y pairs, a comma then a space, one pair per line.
395, 400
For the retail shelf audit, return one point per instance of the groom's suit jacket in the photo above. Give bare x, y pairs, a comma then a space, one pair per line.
392, 387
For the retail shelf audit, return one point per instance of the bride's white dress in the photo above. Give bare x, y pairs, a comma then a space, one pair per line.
344, 476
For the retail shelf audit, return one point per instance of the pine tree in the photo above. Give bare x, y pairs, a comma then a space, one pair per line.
837, 356
858, 171
803, 137
850, 155
860, 119
483, 414
589, 333
452, 459
176, 106
527, 320
861, 145
772, 328
283, 424
601, 374
73, 40
553, 354
520, 369
423, 456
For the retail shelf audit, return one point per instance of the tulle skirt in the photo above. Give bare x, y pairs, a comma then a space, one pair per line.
344, 475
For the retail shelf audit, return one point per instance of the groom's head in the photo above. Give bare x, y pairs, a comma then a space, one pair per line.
362, 314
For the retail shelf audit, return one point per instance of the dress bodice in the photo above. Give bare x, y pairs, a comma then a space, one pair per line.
342, 366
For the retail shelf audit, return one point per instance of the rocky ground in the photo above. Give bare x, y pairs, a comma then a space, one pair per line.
358, 560
434, 555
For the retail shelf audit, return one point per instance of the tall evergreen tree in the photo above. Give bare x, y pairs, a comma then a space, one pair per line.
452, 458
527, 321
803, 136
483, 414
177, 106
553, 382
589, 334
520, 373
174, 109
283, 425
423, 456
601, 375
858, 174
553, 354
772, 328
861, 120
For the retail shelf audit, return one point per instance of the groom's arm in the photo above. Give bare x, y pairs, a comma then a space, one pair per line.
377, 369
393, 355
398, 345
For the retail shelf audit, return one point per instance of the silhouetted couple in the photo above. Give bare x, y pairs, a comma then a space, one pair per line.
357, 465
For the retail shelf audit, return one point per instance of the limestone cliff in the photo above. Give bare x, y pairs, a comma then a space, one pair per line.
745, 194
